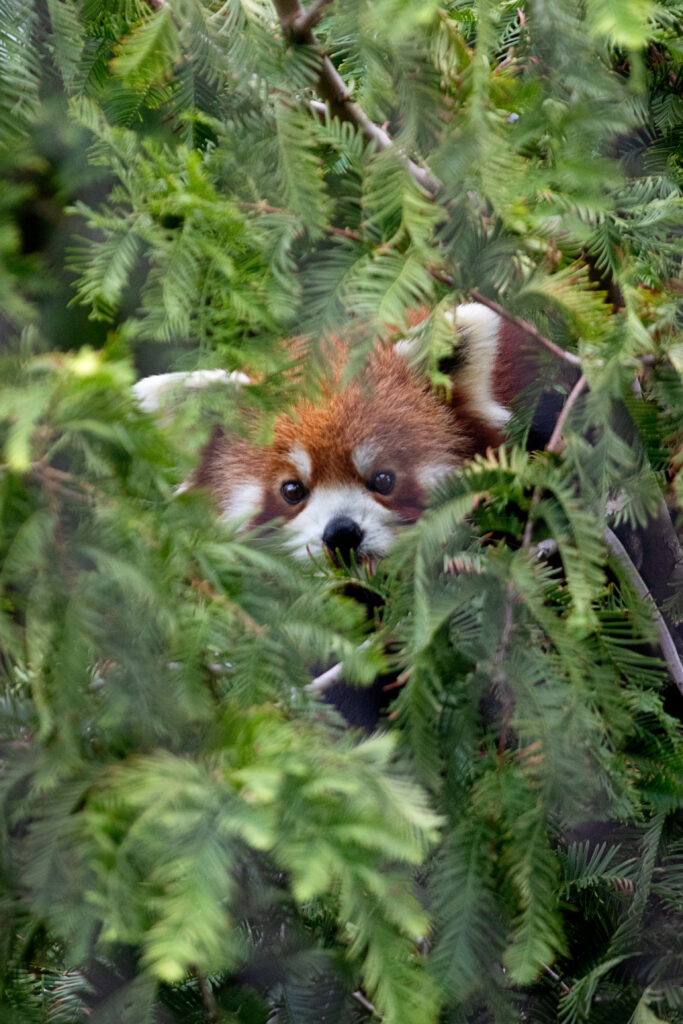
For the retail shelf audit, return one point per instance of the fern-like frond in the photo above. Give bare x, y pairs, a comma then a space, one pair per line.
302, 170
20, 68
586, 865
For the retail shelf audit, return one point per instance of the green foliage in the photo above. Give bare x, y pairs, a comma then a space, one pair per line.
189, 834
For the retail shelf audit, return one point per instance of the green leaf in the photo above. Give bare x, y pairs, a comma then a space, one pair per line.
149, 53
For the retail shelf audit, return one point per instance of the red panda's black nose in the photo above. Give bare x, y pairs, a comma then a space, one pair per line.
342, 534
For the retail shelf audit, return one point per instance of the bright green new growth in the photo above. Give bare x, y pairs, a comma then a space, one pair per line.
189, 834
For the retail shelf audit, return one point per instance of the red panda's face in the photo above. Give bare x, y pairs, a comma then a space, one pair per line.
346, 493
347, 473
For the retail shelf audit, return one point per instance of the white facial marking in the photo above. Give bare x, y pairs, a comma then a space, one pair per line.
480, 328
301, 461
326, 503
430, 475
245, 500
364, 455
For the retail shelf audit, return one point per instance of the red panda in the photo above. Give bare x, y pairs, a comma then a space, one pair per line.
347, 473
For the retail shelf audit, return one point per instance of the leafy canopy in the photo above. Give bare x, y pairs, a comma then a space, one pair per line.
188, 833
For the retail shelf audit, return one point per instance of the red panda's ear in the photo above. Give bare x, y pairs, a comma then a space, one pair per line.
471, 365
479, 337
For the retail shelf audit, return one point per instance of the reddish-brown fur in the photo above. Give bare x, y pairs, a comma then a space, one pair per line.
521, 361
389, 404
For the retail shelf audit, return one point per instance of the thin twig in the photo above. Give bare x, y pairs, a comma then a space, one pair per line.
263, 207
528, 328
554, 444
400, 681
499, 676
555, 976
529, 527
373, 133
353, 236
442, 276
212, 1016
365, 1003
335, 93
206, 590
65, 481
667, 646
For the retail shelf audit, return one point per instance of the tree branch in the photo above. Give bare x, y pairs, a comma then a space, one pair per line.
297, 24
264, 207
210, 1006
365, 1003
66, 482
310, 18
528, 328
553, 444
666, 643
555, 976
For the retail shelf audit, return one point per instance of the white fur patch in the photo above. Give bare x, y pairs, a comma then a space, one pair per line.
480, 327
301, 461
364, 455
326, 503
431, 475
407, 348
152, 392
245, 500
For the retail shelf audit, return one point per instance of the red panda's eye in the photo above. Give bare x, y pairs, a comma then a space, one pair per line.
293, 491
383, 482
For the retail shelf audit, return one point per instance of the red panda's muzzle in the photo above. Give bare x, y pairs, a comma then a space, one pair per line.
344, 518
341, 536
